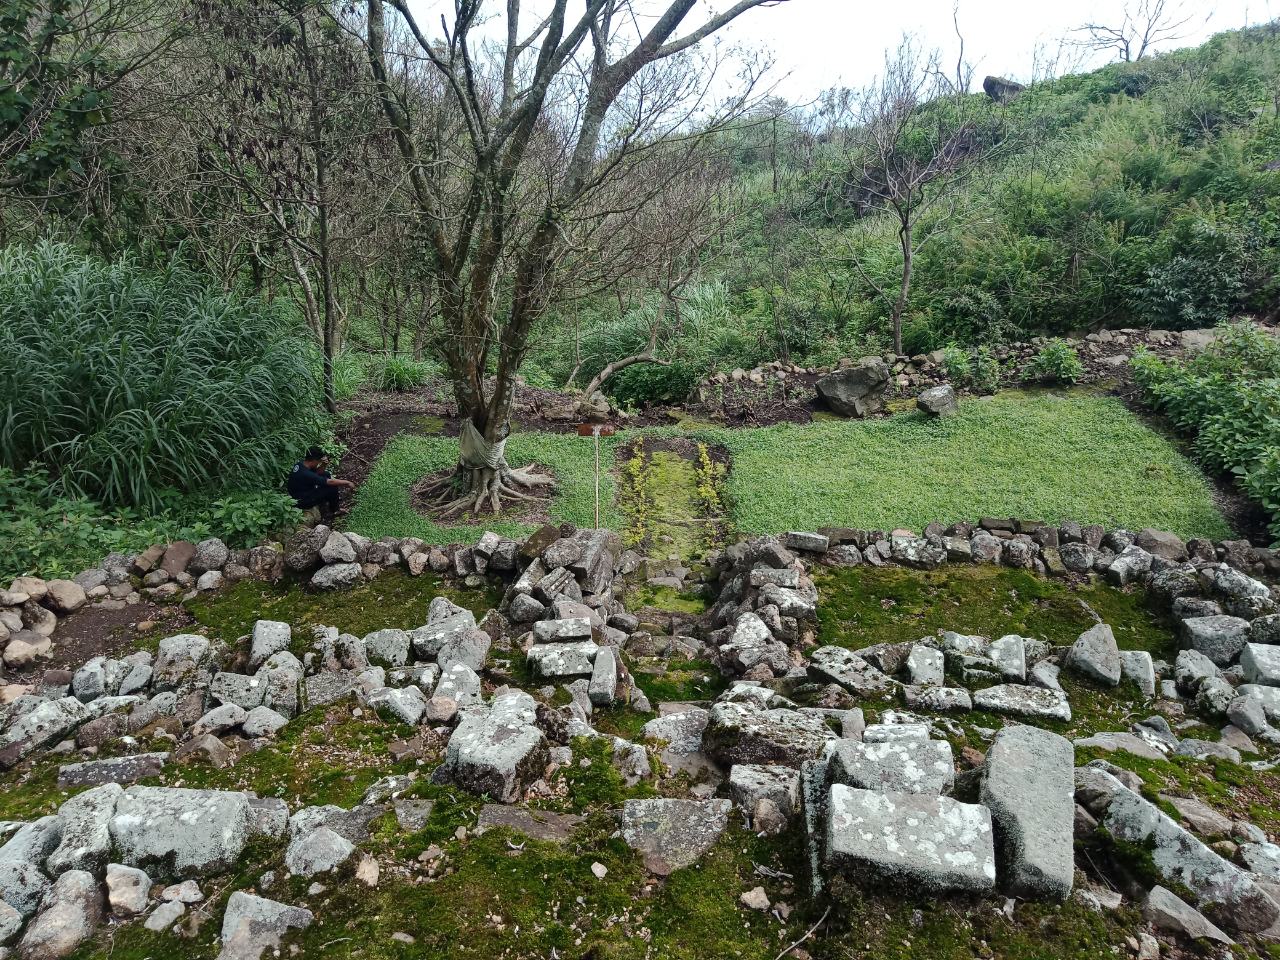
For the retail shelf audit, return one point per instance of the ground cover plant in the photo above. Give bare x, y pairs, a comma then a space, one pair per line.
50, 536
127, 384
384, 506
1049, 456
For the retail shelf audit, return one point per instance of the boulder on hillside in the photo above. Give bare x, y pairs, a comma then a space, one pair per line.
1221, 639
500, 751
170, 831
303, 552
1096, 655
905, 766
1161, 544
1230, 895
858, 390
64, 596
743, 733
252, 925
1002, 90
68, 914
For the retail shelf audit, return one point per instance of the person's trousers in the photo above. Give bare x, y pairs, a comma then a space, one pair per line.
326, 496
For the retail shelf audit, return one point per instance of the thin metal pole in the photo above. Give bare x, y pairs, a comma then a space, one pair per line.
596, 434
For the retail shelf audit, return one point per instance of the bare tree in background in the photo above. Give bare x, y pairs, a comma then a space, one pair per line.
549, 115
1145, 23
914, 144
663, 247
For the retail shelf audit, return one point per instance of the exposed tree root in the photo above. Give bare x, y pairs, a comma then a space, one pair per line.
473, 489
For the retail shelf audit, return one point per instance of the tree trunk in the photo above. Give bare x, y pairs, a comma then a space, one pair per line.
905, 236
332, 342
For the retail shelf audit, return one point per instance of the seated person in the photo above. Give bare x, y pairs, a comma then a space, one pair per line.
311, 484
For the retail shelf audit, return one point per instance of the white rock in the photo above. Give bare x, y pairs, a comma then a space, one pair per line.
128, 890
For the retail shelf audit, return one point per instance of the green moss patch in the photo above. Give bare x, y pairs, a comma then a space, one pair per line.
395, 599
863, 606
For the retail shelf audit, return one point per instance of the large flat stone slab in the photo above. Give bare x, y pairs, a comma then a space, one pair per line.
903, 766
910, 841
539, 824
844, 667
555, 660
1020, 701
113, 770
673, 833
1111, 740
743, 733
1229, 895
1028, 784
169, 831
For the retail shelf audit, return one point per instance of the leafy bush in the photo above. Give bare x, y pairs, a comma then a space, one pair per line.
978, 368
986, 371
649, 382
955, 364
1229, 398
536, 376
51, 536
1056, 361
126, 383
1202, 282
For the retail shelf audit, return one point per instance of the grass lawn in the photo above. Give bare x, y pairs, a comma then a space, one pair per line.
1037, 457
382, 507
1034, 456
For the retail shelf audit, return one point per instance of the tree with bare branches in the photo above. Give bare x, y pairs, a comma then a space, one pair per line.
60, 66
662, 247
916, 140
525, 131
1144, 24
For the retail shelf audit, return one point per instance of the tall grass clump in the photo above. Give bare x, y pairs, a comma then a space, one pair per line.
397, 373
129, 385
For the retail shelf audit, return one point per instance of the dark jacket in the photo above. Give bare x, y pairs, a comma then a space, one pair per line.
303, 481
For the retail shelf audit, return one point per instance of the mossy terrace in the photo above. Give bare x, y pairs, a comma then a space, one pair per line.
502, 894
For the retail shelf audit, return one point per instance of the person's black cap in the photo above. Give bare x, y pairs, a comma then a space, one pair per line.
314, 453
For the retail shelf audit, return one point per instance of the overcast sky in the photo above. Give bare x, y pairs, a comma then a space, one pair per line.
821, 43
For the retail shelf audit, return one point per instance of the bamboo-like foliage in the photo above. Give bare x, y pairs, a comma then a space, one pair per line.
128, 385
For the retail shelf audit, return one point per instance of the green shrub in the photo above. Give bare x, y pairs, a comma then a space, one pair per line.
350, 372
955, 364
125, 383
47, 535
978, 369
1202, 281
652, 383
1056, 361
986, 371
1228, 397
535, 376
